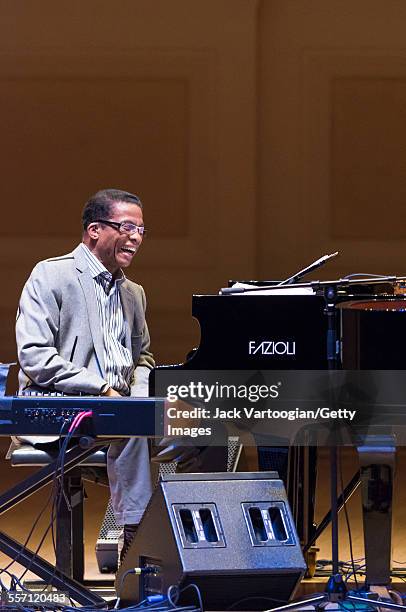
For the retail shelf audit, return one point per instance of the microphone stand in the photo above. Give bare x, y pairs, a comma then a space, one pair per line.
313, 266
288, 281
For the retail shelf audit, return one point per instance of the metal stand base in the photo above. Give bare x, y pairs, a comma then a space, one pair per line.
336, 592
28, 558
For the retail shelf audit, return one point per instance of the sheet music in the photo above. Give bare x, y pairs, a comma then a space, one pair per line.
289, 290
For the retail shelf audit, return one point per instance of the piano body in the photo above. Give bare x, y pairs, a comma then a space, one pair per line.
262, 332
255, 331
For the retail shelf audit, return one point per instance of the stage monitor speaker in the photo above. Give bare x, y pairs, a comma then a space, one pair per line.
231, 534
109, 534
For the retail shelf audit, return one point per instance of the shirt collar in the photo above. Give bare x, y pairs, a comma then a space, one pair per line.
98, 269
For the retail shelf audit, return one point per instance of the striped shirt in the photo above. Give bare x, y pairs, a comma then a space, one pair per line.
118, 361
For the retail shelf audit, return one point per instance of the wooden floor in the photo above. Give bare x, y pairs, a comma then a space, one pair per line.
17, 522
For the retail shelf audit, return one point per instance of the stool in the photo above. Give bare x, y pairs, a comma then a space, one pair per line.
69, 516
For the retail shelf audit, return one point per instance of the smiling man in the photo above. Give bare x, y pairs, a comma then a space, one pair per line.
81, 329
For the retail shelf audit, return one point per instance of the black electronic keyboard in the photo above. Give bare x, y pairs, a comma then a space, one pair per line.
111, 417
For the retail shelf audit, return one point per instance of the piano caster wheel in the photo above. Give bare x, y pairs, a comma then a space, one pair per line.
311, 558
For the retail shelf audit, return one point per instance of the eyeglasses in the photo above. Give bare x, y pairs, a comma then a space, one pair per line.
125, 227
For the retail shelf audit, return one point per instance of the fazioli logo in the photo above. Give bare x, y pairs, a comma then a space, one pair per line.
272, 347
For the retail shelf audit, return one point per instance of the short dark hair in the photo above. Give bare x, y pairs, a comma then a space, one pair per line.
100, 204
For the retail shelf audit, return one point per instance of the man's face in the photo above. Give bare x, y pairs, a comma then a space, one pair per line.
114, 249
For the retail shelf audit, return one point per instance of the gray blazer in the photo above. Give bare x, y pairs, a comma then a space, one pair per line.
59, 339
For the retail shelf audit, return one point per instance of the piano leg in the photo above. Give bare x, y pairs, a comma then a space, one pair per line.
377, 467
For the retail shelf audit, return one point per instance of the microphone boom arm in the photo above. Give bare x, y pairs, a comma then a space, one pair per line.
313, 266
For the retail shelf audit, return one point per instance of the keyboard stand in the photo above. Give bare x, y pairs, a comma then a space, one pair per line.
28, 558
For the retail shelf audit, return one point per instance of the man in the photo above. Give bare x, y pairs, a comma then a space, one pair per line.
81, 329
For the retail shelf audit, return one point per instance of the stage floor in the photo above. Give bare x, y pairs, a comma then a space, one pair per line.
18, 521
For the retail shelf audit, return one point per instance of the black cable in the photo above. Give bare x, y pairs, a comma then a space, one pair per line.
197, 590
358, 571
162, 605
347, 520
14, 579
60, 491
90, 608
363, 274
258, 597
57, 494
179, 592
36, 521
123, 577
53, 495
165, 608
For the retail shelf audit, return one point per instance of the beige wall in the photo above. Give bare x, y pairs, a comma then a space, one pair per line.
155, 97
332, 145
259, 133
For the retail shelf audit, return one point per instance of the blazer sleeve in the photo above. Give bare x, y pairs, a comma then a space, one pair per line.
37, 328
144, 361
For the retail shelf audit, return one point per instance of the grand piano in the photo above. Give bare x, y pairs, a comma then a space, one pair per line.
315, 326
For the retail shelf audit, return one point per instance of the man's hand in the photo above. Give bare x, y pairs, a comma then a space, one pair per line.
110, 392
176, 449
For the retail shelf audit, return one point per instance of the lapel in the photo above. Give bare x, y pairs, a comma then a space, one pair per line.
86, 282
128, 304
